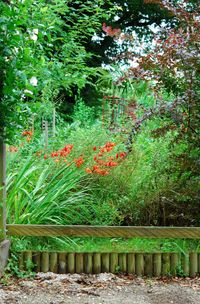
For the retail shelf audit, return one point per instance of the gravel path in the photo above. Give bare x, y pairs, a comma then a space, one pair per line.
101, 289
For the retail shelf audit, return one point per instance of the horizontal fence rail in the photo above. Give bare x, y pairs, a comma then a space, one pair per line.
140, 264
104, 231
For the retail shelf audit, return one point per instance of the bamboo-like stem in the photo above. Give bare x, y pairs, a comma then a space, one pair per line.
88, 262
2, 190
113, 262
62, 263
165, 264
53, 262
71, 263
105, 262
97, 263
148, 266
131, 263
185, 264
79, 263
28, 259
174, 263
45, 262
157, 264
139, 264
21, 261
37, 261
193, 264
122, 262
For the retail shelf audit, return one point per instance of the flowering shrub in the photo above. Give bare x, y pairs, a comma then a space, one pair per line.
100, 163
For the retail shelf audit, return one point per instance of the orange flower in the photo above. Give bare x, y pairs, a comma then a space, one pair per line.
27, 133
13, 149
79, 161
103, 172
111, 164
28, 139
45, 156
39, 153
88, 170
94, 148
122, 154
54, 154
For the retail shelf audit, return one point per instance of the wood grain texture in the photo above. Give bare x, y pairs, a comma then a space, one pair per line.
2, 190
104, 231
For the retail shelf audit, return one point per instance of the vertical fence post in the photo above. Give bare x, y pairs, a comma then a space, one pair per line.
2, 190
54, 123
33, 124
46, 134
4, 244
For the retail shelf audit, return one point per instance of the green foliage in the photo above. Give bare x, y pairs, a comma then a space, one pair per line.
41, 48
83, 114
12, 270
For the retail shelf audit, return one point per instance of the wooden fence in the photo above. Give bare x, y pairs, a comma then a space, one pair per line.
148, 264
140, 264
104, 231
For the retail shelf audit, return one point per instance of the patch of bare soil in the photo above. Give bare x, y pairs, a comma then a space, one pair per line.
100, 289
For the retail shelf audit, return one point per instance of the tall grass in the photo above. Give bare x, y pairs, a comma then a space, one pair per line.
40, 193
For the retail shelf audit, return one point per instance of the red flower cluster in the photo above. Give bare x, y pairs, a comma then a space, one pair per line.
64, 152
28, 135
121, 155
103, 161
108, 162
96, 170
79, 161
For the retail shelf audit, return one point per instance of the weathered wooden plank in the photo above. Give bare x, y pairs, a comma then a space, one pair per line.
166, 264
193, 264
104, 231
79, 263
45, 262
123, 262
21, 261
97, 263
185, 264
37, 261
53, 262
105, 262
71, 262
148, 264
199, 263
174, 263
157, 269
2, 190
88, 262
28, 259
139, 264
114, 264
62, 263
131, 263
